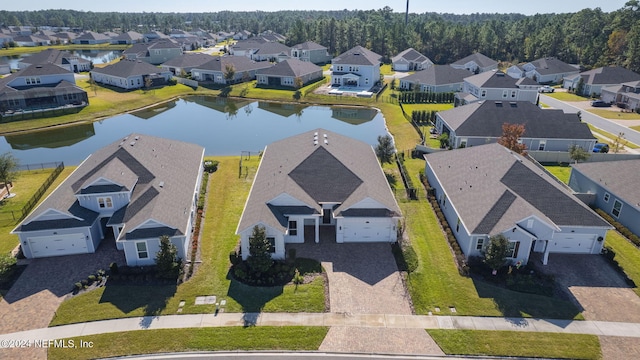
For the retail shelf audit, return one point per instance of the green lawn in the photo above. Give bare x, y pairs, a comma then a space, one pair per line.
606, 137
226, 197
429, 107
627, 256
520, 344
561, 172
201, 339
386, 70
615, 114
565, 96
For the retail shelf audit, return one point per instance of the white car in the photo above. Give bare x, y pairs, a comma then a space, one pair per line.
546, 89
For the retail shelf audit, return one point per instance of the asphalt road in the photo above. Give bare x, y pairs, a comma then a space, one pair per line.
604, 124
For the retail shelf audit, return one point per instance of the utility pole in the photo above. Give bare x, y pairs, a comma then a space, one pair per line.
406, 15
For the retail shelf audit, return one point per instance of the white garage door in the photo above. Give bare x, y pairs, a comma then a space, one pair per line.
56, 245
367, 230
572, 243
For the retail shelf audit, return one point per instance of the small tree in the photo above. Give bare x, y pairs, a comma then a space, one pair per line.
229, 73
148, 82
167, 261
8, 169
259, 260
298, 83
444, 140
511, 134
618, 143
576, 153
580, 86
385, 149
495, 255
394, 83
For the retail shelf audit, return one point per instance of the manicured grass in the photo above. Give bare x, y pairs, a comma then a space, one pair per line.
565, 96
386, 70
615, 114
225, 202
200, 339
561, 172
627, 256
606, 137
520, 344
429, 107
636, 128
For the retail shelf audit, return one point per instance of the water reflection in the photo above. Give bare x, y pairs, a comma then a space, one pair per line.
51, 139
353, 115
96, 56
282, 109
150, 112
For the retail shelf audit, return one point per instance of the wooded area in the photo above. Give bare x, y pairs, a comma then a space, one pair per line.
589, 37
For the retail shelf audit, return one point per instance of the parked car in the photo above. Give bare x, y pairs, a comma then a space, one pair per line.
600, 103
546, 89
601, 148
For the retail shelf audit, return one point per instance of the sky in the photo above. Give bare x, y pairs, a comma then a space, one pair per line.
416, 6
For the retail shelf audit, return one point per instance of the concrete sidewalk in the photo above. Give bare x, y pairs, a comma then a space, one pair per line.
599, 328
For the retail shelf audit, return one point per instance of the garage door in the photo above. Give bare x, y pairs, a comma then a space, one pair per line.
367, 230
56, 245
572, 243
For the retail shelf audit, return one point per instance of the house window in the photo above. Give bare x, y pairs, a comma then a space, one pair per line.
542, 145
444, 201
606, 197
293, 228
617, 206
141, 248
458, 225
484, 93
105, 202
272, 244
513, 93
479, 243
513, 248
530, 224
505, 93
463, 143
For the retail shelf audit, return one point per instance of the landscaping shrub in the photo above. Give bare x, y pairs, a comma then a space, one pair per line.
7, 263
234, 258
620, 228
211, 166
113, 268
280, 272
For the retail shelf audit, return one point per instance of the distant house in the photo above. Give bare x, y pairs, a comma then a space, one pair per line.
549, 70
66, 37
130, 74
272, 36
358, 67
596, 79
129, 37
155, 52
488, 190
5, 39
5, 68
270, 51
286, 72
436, 78
155, 35
625, 95
134, 190
186, 62
91, 38
30, 41
216, 69
246, 47
612, 187
311, 52
410, 60
319, 186
63, 59
545, 129
496, 85
40, 88
476, 63
242, 35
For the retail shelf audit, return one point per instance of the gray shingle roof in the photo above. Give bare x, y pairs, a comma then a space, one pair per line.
189, 60
478, 58
438, 75
497, 80
240, 63
291, 67
309, 45
52, 56
41, 70
270, 48
485, 119
551, 65
358, 56
620, 177
411, 55
90, 35
609, 75
344, 170
493, 188
126, 68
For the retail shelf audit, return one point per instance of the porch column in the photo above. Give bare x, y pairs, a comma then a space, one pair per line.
317, 229
545, 259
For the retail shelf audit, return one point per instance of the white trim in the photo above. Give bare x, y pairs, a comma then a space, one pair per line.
146, 249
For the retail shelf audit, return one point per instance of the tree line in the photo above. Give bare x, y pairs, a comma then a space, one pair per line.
589, 37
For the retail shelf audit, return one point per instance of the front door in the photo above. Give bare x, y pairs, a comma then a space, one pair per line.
326, 216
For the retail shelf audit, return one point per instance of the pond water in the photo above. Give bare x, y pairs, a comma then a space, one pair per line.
223, 127
97, 56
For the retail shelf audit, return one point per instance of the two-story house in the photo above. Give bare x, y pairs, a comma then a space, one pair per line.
358, 67
311, 52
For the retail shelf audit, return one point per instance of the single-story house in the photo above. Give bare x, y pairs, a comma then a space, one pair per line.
63, 59
596, 79
489, 190
155, 52
613, 186
319, 182
437, 79
286, 72
545, 129
311, 52
626, 95
30, 40
548, 70
476, 63
129, 37
496, 85
410, 60
186, 62
270, 51
216, 69
130, 74
91, 38
134, 191
246, 47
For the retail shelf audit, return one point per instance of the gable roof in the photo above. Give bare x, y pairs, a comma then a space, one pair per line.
126, 68
309, 45
269, 48
411, 55
342, 170
497, 80
240, 63
52, 56
189, 60
500, 188
291, 67
551, 65
620, 177
90, 35
358, 56
609, 75
485, 119
166, 172
438, 75
129, 35
478, 58
142, 49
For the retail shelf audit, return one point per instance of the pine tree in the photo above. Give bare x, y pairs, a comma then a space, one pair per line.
259, 260
167, 261
495, 254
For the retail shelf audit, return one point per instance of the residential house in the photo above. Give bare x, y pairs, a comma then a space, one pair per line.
186, 62
496, 85
286, 72
63, 59
270, 51
216, 69
311, 52
155, 52
545, 129
91, 38
357, 67
489, 190
270, 35
5, 68
613, 187
30, 41
242, 35
246, 47
476, 63
130, 75
175, 33
436, 78
129, 37
625, 95
5, 39
548, 70
594, 80
40, 87
319, 186
65, 37
155, 35
410, 60
134, 190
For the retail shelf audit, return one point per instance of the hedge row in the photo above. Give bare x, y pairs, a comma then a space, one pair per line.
621, 228
423, 116
410, 97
